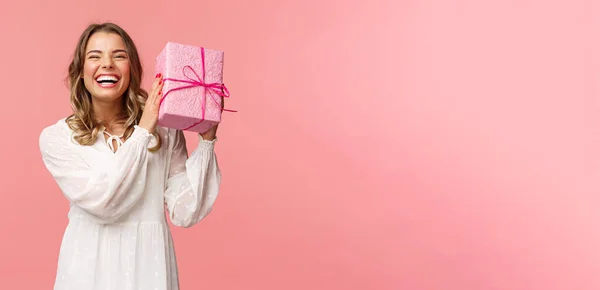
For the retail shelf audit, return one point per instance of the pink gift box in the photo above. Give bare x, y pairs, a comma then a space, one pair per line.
193, 79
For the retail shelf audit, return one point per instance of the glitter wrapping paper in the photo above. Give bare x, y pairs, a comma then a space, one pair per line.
182, 108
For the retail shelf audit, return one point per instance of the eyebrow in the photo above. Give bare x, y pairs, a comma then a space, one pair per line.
114, 51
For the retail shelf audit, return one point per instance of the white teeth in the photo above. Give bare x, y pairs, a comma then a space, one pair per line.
107, 78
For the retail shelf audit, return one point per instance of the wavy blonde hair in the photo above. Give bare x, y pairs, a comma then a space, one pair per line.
83, 122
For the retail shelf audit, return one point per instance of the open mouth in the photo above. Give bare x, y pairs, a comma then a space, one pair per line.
107, 81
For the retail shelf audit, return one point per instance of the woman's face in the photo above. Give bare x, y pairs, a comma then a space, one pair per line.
106, 67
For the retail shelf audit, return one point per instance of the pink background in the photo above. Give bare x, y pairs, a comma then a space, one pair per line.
391, 145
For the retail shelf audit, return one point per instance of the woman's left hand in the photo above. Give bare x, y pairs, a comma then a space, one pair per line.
211, 134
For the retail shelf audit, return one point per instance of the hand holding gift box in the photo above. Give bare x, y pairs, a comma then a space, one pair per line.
193, 89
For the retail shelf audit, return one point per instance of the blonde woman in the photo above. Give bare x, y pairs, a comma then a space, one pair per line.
118, 170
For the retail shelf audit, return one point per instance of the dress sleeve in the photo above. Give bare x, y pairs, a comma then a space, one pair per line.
108, 192
193, 182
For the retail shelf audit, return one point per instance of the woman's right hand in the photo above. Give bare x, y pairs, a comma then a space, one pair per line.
149, 119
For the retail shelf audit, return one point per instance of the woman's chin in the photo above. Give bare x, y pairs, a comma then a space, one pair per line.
107, 97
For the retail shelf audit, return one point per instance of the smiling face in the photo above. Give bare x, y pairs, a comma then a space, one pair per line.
106, 72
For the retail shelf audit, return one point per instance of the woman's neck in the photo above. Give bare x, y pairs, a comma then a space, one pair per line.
109, 113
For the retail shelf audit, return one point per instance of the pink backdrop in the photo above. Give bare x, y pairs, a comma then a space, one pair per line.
392, 145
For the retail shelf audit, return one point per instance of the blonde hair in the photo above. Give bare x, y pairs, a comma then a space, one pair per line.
82, 121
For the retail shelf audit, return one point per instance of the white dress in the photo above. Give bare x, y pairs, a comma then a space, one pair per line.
117, 237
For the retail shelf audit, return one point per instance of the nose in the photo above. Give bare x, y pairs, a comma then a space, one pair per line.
107, 62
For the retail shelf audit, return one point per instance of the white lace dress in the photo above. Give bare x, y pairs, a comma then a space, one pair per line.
117, 236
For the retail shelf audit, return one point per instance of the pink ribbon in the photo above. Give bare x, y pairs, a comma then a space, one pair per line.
213, 88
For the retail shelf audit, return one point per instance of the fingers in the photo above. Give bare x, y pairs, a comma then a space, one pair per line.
156, 91
157, 79
159, 88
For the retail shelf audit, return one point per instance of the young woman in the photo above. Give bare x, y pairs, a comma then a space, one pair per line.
118, 170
